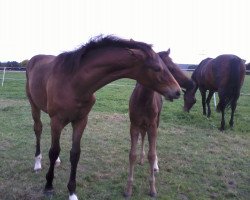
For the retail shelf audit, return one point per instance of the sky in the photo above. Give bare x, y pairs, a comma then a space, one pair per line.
192, 29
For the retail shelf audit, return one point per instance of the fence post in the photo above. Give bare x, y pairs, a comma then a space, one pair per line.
3, 76
214, 101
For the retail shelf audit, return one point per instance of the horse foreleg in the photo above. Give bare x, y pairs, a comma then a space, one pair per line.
152, 158
78, 128
56, 128
210, 94
142, 154
134, 134
203, 95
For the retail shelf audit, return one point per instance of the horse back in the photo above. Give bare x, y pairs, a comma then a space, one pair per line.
229, 70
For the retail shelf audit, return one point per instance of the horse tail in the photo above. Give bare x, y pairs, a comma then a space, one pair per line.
233, 85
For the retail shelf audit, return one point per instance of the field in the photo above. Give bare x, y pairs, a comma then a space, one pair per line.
196, 160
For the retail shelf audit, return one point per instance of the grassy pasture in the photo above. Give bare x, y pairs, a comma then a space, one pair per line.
196, 160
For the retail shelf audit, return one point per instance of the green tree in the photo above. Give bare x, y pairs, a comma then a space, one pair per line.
24, 63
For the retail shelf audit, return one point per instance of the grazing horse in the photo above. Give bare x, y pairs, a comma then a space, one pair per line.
225, 74
63, 86
144, 111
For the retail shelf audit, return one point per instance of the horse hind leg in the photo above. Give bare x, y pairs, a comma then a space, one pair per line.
134, 134
221, 107
142, 154
233, 107
156, 166
36, 114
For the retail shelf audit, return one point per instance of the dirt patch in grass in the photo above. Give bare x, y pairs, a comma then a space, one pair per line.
5, 103
115, 117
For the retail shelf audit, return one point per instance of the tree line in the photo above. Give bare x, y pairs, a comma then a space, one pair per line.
14, 64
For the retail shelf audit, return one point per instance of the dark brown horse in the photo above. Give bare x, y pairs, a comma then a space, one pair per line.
144, 112
63, 86
225, 75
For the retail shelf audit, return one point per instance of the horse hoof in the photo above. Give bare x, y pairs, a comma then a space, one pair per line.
73, 197
156, 170
37, 170
126, 195
140, 163
49, 192
153, 194
221, 129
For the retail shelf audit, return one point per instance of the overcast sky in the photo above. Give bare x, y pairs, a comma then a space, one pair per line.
193, 29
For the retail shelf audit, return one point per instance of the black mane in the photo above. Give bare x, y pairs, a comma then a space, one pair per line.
71, 59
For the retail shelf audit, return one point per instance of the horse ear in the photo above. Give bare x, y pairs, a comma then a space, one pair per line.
137, 53
168, 51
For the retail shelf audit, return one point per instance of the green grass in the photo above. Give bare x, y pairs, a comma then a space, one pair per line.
196, 160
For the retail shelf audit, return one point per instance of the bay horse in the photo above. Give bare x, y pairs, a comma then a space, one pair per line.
224, 74
63, 86
144, 111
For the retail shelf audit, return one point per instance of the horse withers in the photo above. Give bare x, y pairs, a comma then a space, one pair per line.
144, 111
63, 86
224, 74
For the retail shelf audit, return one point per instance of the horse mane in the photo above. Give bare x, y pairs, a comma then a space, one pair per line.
71, 60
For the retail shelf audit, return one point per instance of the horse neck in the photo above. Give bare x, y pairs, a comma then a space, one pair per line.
182, 79
105, 67
144, 94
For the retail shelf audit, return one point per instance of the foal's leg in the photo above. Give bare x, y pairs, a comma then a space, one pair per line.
142, 154
56, 128
78, 128
203, 95
152, 134
233, 107
134, 134
210, 94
